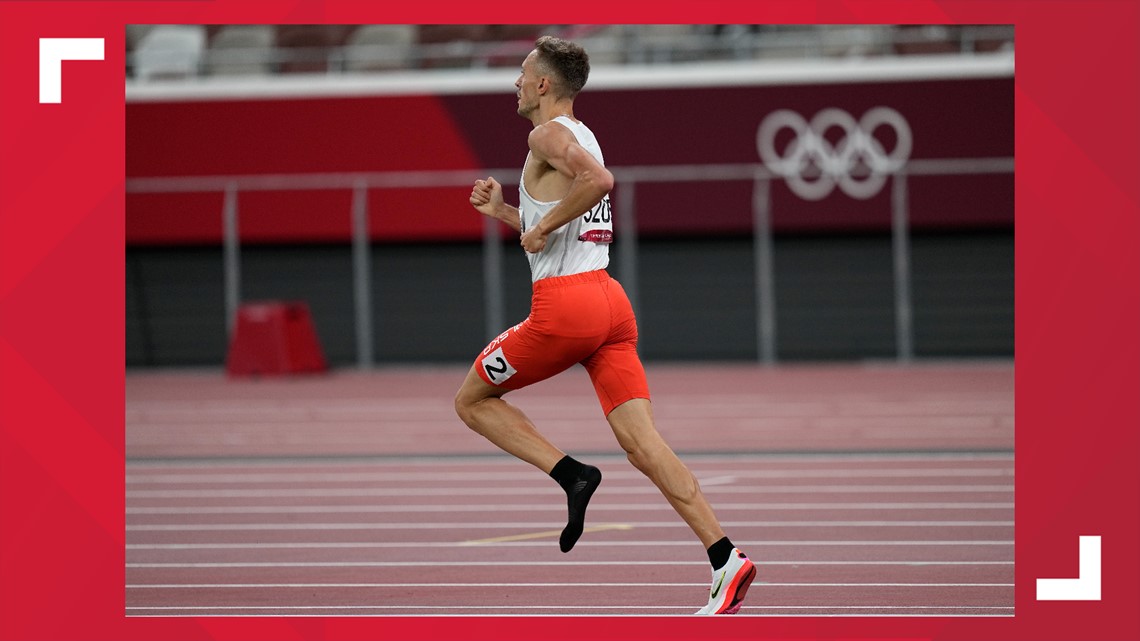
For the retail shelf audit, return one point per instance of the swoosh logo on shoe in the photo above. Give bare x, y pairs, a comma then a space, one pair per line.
716, 587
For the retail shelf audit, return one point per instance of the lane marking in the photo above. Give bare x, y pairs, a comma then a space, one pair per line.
411, 564
722, 476
543, 534
212, 586
561, 607
969, 405
600, 610
521, 607
541, 491
534, 507
223, 527
445, 544
718, 480
405, 461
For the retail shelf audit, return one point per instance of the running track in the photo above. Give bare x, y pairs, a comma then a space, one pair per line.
858, 490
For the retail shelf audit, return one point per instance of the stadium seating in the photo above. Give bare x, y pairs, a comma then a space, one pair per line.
241, 49
181, 51
170, 51
378, 47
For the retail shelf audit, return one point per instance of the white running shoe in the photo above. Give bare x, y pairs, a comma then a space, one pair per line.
730, 584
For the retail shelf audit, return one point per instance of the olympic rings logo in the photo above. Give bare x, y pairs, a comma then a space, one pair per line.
812, 166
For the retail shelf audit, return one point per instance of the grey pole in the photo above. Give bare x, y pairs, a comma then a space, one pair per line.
231, 260
900, 236
492, 278
765, 290
628, 241
362, 275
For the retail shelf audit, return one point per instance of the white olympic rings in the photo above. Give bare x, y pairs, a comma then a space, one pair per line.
834, 164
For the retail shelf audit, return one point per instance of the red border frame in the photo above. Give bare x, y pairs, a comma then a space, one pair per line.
62, 314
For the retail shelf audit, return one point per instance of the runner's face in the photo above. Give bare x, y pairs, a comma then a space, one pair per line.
527, 85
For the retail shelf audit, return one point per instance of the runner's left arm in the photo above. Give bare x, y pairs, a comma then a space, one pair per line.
590, 181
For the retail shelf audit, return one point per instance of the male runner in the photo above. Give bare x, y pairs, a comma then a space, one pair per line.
578, 315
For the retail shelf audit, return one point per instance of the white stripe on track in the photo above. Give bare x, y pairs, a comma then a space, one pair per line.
441, 544
416, 564
552, 506
213, 586
676, 402
223, 527
709, 475
412, 610
553, 490
511, 464
197, 608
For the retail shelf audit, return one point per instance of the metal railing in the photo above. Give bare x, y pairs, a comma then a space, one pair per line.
627, 180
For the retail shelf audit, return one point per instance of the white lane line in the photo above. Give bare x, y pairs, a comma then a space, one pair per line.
499, 525
448, 544
724, 479
504, 461
560, 607
552, 489
218, 586
722, 475
552, 506
412, 610
676, 407
449, 564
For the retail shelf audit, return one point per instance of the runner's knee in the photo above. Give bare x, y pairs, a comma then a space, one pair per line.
465, 404
666, 471
645, 458
462, 405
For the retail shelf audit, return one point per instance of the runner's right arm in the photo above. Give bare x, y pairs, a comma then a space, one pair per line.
487, 199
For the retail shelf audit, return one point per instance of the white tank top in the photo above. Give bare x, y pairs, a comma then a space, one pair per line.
581, 245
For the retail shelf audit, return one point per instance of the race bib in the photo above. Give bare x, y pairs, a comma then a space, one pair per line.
597, 224
497, 368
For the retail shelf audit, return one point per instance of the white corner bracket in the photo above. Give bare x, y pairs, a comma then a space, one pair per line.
1086, 587
53, 51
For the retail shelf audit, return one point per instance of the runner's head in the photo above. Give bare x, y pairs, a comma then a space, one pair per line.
566, 62
555, 70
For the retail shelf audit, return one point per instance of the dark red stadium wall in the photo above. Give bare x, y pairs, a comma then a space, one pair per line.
244, 137
949, 118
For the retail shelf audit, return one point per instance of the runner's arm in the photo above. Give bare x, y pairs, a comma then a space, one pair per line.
487, 199
590, 181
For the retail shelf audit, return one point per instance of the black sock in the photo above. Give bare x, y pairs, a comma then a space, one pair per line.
566, 471
579, 482
719, 552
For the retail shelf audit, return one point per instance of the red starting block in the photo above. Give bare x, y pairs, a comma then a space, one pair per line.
274, 337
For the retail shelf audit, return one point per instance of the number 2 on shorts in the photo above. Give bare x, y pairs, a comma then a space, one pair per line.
497, 368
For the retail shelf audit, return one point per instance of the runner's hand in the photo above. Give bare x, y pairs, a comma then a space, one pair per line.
487, 197
533, 240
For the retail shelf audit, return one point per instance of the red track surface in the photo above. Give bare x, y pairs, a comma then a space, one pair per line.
858, 490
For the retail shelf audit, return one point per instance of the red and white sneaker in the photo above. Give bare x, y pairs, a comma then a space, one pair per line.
730, 584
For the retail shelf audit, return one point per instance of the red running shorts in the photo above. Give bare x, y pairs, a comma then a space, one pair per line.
581, 318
